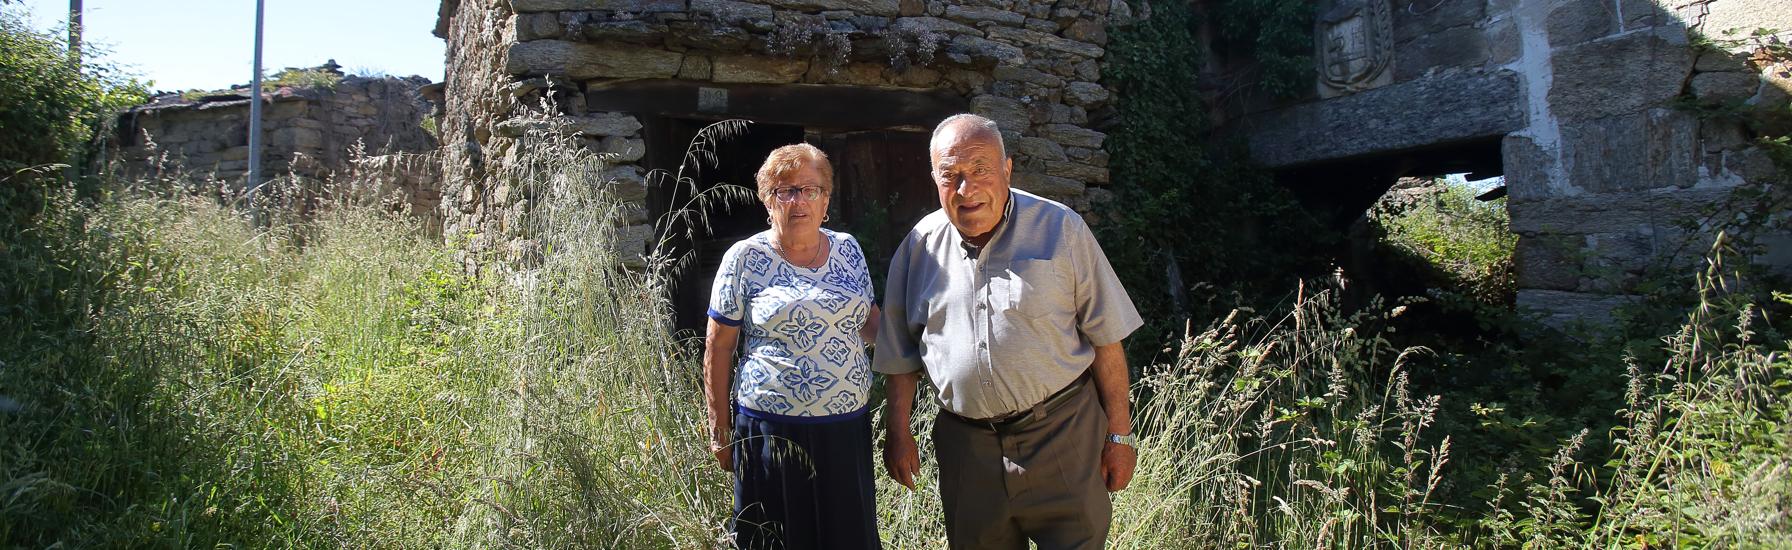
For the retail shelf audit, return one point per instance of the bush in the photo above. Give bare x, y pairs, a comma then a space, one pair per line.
1467, 239
53, 107
302, 78
1182, 190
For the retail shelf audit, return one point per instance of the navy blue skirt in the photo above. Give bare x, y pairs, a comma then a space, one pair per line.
803, 485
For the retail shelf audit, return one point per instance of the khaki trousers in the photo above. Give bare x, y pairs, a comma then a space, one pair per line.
1040, 480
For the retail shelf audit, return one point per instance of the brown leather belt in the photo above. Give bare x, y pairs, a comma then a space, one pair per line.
1016, 420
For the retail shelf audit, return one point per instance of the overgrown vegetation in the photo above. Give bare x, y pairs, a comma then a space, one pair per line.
302, 78
1469, 240
56, 109
175, 372
339, 382
1273, 37
219, 382
1177, 178
1510, 391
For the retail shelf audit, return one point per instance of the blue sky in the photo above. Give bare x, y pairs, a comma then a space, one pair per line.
182, 44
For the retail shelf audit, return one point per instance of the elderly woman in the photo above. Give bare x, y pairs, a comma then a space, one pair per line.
795, 433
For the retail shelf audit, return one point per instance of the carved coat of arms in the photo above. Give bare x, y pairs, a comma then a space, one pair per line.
1355, 40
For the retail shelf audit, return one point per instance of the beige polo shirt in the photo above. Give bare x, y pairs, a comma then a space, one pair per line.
1001, 328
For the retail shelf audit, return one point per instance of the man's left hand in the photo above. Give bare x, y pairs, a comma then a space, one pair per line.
1117, 462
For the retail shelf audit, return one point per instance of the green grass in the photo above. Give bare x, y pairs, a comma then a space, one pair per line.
187, 378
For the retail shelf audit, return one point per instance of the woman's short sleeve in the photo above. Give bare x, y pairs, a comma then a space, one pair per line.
728, 296
861, 268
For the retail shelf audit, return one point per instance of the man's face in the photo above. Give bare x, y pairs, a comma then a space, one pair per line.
972, 177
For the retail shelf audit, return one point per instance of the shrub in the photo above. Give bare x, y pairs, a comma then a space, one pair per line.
1468, 239
1182, 189
55, 109
302, 78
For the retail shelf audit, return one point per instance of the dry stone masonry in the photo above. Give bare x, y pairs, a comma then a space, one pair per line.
611, 65
1574, 102
361, 125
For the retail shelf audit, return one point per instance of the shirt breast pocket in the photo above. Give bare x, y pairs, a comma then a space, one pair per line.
1037, 289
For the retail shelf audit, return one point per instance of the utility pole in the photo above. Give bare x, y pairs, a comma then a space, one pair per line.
254, 179
74, 33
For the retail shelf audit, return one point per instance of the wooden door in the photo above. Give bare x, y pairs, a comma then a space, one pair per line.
882, 188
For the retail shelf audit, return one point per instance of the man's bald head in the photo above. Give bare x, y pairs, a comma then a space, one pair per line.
964, 126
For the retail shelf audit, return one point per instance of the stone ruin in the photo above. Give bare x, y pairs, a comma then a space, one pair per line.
865, 80
361, 127
1573, 103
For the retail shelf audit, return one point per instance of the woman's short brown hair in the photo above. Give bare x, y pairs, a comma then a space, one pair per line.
786, 161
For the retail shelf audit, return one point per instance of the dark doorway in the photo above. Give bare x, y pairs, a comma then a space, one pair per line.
1339, 191
881, 189
876, 137
737, 158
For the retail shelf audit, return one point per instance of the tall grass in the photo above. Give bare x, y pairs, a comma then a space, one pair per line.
1275, 433
187, 377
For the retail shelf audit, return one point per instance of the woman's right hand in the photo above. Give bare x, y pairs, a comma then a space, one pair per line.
718, 371
720, 446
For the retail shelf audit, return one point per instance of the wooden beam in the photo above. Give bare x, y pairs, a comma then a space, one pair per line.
808, 105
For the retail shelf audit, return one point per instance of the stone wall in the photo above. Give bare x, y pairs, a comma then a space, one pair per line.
1033, 66
311, 132
1609, 170
1573, 101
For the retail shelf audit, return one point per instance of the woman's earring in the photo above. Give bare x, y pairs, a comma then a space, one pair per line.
768, 220
824, 218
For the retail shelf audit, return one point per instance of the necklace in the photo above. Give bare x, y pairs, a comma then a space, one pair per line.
805, 264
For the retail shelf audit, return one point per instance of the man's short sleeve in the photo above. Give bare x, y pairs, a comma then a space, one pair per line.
1105, 314
727, 297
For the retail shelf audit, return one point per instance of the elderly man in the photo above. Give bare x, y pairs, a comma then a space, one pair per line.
1008, 303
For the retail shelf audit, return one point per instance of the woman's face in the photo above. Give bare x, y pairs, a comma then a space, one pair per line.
790, 202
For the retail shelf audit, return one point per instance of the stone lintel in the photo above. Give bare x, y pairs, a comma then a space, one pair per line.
801, 104
886, 8
1438, 109
581, 61
632, 6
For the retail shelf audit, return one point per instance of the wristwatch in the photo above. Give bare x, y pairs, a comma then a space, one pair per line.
1130, 440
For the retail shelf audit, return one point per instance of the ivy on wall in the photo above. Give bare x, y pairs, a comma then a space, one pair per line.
1276, 34
1194, 229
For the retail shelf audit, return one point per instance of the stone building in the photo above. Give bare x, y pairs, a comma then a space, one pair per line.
359, 125
1573, 102
865, 80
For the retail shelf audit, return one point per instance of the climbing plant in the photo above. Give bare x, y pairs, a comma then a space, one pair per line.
1276, 35
1195, 230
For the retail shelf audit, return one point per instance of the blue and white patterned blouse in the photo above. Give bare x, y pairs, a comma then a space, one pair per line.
804, 360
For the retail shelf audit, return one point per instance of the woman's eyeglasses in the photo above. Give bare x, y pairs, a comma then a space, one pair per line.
789, 194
